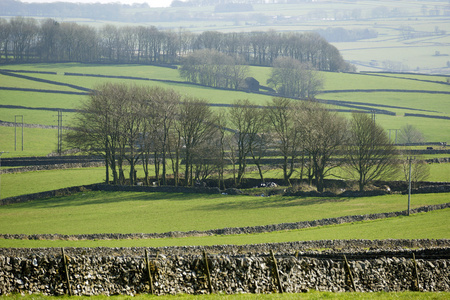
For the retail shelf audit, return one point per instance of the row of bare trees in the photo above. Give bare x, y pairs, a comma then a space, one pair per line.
27, 39
144, 125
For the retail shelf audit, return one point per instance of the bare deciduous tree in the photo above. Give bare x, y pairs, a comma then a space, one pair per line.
292, 78
196, 124
323, 135
283, 117
409, 134
369, 154
420, 170
248, 121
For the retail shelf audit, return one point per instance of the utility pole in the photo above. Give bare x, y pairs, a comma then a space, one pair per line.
15, 131
410, 158
1, 173
395, 141
60, 120
59, 132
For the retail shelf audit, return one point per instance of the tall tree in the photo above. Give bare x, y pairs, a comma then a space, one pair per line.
166, 103
196, 124
369, 154
96, 128
5, 31
420, 170
323, 135
283, 117
409, 134
248, 122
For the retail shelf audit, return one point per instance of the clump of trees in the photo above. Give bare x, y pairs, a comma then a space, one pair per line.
138, 125
30, 40
370, 154
212, 68
292, 78
142, 124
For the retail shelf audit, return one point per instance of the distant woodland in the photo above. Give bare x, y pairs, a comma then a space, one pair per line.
30, 40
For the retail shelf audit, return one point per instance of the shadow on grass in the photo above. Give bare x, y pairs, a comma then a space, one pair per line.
102, 197
269, 202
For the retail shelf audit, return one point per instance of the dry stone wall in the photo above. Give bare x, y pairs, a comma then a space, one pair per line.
109, 271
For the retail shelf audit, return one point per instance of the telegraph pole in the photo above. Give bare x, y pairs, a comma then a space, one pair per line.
410, 158
1, 173
59, 132
396, 130
60, 120
15, 131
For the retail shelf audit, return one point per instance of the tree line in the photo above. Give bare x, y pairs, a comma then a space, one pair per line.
30, 40
182, 136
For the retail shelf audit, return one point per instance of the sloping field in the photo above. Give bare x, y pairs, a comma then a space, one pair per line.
105, 212
133, 212
38, 94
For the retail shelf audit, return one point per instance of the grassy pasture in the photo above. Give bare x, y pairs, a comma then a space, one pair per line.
310, 295
128, 212
338, 81
80, 214
433, 129
421, 226
40, 181
37, 142
9, 81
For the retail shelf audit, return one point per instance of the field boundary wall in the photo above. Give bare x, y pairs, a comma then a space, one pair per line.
107, 271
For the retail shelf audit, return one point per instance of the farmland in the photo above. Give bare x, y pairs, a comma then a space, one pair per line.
37, 92
100, 212
409, 94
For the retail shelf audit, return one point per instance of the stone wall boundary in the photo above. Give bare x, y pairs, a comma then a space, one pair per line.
41, 271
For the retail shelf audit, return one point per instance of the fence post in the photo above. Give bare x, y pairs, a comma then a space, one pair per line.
277, 275
349, 272
66, 271
415, 275
149, 272
207, 272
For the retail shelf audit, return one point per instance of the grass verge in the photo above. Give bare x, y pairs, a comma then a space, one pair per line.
311, 295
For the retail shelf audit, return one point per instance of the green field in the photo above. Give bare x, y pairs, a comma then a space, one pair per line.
311, 295
435, 130
16, 184
109, 212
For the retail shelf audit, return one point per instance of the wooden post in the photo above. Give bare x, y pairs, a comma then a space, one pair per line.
207, 272
416, 275
149, 272
66, 271
349, 272
277, 275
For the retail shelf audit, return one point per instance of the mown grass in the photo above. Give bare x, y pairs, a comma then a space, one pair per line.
40, 181
131, 212
36, 142
431, 225
333, 81
311, 295
16, 184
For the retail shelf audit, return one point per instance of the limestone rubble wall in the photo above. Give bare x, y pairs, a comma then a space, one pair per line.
174, 270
